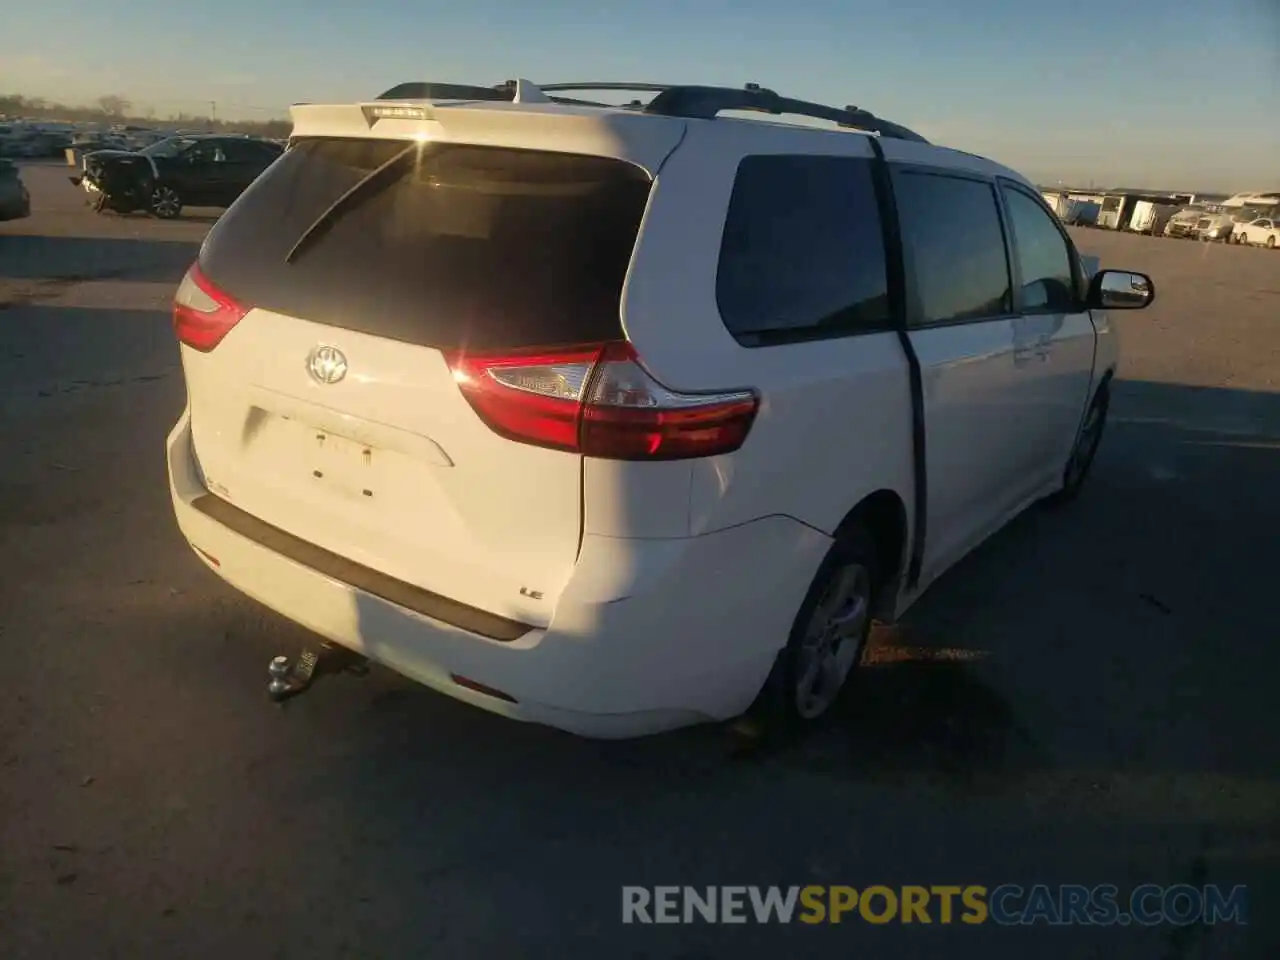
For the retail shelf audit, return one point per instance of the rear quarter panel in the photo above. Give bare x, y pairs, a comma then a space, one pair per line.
835, 416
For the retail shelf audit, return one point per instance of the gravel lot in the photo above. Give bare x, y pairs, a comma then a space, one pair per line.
1111, 720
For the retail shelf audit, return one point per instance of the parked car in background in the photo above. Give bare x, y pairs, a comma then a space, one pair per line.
417, 423
1216, 227
1264, 232
1183, 223
204, 171
15, 201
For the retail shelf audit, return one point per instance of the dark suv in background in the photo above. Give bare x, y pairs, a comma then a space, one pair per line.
182, 171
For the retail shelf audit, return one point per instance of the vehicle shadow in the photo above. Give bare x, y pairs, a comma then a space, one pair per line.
1072, 698
206, 217
1090, 635
54, 354
1073, 703
77, 259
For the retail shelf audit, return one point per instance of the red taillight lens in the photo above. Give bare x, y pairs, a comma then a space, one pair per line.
203, 314
534, 397
601, 402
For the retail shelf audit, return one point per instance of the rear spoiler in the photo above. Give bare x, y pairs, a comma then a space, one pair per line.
357, 119
625, 135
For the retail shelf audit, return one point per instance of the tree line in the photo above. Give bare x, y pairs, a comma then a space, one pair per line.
112, 108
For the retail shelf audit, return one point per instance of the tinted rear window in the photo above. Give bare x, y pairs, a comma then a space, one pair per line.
955, 247
470, 246
802, 254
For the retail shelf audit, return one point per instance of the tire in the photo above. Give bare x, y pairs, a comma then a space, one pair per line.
164, 202
1271, 242
828, 636
1085, 450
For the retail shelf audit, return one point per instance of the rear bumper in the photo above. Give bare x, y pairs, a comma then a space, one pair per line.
649, 634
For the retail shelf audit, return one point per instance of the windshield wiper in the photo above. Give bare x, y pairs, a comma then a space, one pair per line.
379, 176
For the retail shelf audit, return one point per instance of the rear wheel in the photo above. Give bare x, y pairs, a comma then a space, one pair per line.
165, 202
1085, 450
827, 637
1271, 242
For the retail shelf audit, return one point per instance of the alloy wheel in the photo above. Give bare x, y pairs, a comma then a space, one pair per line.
165, 202
832, 643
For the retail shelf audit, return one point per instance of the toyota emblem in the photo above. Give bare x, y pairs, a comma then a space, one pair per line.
326, 364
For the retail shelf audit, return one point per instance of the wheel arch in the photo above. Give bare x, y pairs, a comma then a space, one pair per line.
883, 514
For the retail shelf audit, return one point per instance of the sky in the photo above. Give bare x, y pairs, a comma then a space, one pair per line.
1176, 94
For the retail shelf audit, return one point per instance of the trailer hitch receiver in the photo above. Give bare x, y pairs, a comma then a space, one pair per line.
290, 678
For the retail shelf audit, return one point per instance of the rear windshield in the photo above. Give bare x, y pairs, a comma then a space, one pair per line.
477, 247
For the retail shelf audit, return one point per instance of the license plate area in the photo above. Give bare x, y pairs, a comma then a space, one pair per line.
344, 466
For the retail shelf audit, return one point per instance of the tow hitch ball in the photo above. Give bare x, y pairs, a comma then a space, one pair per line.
289, 678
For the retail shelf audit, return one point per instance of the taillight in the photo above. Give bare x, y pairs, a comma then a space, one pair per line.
601, 402
203, 314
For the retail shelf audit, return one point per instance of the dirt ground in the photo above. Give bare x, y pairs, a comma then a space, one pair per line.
1110, 718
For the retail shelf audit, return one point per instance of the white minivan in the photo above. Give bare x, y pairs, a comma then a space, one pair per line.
619, 418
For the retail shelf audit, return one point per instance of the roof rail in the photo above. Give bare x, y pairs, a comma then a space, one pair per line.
416, 90
505, 91
705, 103
696, 102
671, 100
609, 85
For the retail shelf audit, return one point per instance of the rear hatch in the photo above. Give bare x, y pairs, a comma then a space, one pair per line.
331, 409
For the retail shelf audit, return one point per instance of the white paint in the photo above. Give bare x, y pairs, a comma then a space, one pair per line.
660, 592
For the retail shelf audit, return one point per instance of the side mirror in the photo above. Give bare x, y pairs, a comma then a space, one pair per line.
1120, 290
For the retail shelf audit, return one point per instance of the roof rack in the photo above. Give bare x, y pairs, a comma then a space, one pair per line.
505, 91
671, 100
414, 90
705, 103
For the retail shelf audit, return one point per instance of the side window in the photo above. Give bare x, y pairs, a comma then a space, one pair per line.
954, 247
206, 151
802, 255
1042, 255
241, 151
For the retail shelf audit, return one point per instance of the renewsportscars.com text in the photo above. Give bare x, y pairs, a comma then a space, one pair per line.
1007, 904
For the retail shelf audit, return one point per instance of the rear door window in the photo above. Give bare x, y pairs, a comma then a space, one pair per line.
802, 255
954, 248
456, 246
